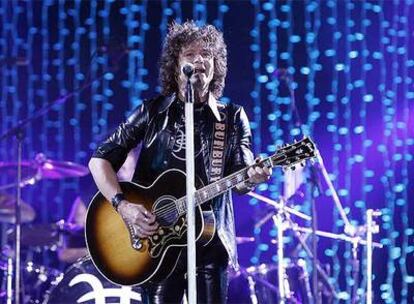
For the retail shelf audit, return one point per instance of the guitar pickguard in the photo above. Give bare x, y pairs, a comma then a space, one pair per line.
166, 236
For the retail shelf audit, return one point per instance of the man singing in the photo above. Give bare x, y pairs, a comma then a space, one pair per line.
158, 124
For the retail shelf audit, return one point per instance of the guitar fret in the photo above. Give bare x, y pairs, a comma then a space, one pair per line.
179, 207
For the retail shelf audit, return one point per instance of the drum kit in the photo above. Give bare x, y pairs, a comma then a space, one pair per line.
81, 282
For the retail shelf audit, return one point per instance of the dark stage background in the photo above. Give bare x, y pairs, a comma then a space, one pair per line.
352, 67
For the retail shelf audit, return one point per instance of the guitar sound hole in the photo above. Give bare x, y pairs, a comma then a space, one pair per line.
166, 211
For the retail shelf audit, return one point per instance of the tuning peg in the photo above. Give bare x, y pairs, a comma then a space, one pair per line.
293, 168
302, 164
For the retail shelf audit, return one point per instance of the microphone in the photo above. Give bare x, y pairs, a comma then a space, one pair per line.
18, 61
188, 69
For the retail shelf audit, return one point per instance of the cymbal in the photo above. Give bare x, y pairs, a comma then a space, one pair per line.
53, 169
7, 212
244, 239
40, 168
38, 235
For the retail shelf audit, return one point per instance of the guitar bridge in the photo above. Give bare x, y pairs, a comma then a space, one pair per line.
136, 242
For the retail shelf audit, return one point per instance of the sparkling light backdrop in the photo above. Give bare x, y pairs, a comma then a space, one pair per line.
352, 67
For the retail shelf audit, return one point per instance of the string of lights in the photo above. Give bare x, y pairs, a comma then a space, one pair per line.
352, 64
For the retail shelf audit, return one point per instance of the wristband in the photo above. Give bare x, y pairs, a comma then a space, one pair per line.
116, 199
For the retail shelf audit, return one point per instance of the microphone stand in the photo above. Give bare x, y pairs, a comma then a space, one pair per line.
17, 131
315, 188
190, 186
349, 228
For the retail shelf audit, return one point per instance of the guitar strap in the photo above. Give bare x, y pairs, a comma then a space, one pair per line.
218, 149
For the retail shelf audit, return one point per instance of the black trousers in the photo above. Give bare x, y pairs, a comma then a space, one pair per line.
212, 281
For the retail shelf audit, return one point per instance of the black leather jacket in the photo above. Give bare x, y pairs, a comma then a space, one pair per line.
153, 125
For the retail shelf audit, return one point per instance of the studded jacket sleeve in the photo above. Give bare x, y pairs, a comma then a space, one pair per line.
125, 137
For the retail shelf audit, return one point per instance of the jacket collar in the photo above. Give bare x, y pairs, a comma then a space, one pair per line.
212, 102
166, 102
214, 105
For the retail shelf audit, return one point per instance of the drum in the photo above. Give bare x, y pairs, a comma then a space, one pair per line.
259, 284
37, 280
82, 283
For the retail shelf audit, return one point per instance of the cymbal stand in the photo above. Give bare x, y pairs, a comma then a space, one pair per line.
355, 271
19, 134
9, 278
349, 228
281, 271
372, 228
252, 289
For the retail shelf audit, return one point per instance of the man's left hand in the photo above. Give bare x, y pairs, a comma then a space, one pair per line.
259, 173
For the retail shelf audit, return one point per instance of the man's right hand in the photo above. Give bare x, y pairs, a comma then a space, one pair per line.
143, 221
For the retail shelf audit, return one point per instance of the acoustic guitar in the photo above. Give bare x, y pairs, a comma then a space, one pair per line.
125, 259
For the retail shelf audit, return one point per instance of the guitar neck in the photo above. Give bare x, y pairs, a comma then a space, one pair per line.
221, 186
287, 156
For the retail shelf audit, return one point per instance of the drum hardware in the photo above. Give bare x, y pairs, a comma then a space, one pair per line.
244, 239
278, 214
16, 211
36, 278
371, 228
352, 234
356, 240
258, 284
9, 279
70, 228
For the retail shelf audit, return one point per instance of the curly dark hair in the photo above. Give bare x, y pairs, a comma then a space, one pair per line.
181, 35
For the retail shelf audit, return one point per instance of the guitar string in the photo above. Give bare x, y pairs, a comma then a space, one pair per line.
235, 177
170, 207
209, 189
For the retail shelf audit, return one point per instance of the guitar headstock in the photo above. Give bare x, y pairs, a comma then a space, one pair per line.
290, 155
